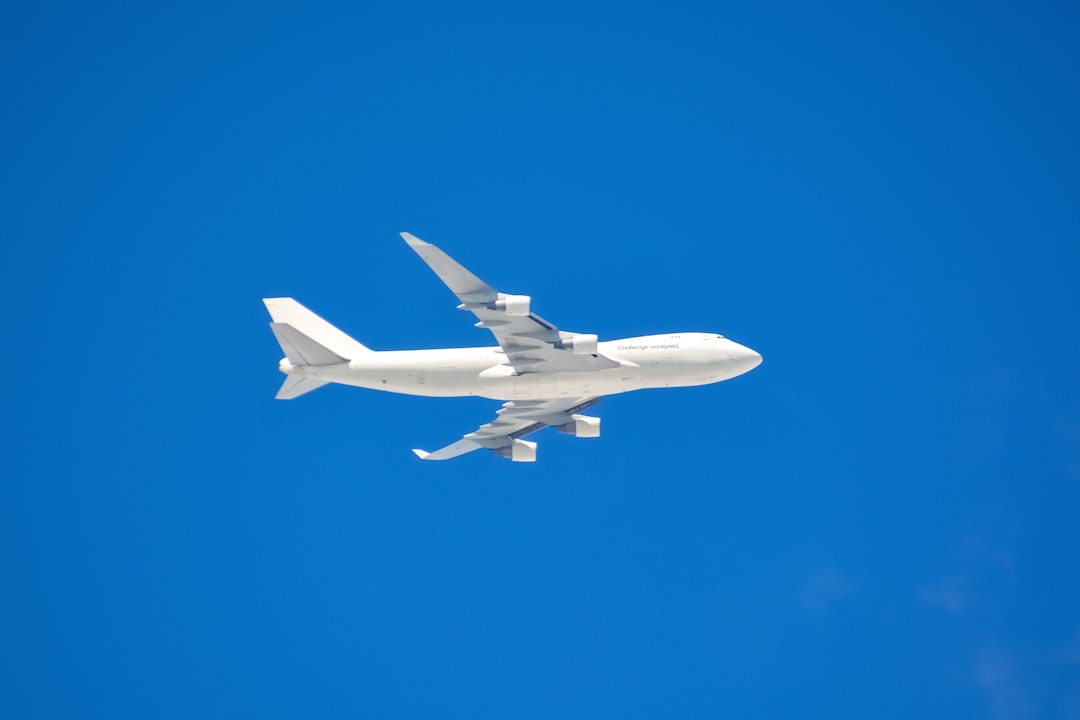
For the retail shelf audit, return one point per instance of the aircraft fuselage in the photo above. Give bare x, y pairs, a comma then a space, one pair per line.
651, 361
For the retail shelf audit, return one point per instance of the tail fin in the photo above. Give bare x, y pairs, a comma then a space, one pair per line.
312, 339
307, 339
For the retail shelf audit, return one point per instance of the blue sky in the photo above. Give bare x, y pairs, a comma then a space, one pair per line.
879, 521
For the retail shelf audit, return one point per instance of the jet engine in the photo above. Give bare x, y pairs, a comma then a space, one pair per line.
581, 426
518, 451
579, 344
512, 304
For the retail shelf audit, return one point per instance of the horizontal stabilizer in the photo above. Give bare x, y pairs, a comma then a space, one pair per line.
296, 385
302, 350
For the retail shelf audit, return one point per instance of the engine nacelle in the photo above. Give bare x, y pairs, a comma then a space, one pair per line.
580, 344
512, 304
581, 426
518, 451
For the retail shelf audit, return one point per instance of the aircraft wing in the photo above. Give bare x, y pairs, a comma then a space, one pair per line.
531, 344
515, 420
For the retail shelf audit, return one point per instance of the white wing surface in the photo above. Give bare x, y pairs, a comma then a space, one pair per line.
515, 420
531, 344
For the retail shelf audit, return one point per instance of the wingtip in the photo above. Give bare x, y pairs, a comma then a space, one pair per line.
413, 240
421, 454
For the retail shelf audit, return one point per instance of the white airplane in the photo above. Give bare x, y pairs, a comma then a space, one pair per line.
547, 376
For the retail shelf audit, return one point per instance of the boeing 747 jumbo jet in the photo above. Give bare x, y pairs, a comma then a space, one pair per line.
547, 376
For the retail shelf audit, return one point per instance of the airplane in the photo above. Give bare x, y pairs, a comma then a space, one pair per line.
546, 376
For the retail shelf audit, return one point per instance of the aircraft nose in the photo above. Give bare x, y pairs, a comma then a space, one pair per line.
743, 358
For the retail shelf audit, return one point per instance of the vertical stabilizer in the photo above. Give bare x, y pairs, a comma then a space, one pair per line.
286, 311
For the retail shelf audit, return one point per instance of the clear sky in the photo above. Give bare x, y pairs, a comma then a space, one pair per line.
880, 521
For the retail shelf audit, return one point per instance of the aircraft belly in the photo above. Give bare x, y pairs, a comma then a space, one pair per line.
540, 386
426, 381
